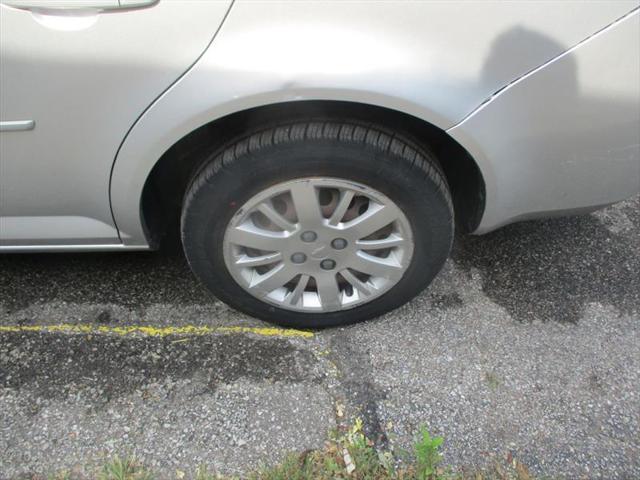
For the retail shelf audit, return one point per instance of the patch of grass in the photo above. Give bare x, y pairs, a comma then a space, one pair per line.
63, 475
350, 456
124, 469
353, 456
347, 456
202, 473
492, 380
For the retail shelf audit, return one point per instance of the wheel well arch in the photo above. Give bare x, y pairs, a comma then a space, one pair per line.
165, 186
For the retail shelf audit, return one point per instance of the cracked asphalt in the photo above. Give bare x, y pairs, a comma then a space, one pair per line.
527, 343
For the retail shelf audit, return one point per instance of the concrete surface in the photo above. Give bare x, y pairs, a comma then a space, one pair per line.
528, 342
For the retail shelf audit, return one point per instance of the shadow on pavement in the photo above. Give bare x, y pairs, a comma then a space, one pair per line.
131, 280
550, 270
540, 270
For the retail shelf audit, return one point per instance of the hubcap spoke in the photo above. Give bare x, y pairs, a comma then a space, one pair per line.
373, 219
328, 291
388, 268
266, 283
306, 204
247, 261
294, 297
343, 204
392, 240
356, 283
269, 212
248, 235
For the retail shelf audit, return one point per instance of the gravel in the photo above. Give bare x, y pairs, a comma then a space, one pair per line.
527, 343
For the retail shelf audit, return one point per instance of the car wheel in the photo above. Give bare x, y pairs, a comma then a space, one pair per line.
317, 224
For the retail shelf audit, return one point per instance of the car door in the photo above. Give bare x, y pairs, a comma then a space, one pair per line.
74, 77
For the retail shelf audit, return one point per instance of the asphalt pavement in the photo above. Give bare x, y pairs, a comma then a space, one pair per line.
527, 343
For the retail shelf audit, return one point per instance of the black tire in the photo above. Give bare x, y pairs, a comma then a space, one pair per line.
393, 165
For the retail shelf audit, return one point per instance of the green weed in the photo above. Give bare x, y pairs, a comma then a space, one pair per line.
428, 456
123, 469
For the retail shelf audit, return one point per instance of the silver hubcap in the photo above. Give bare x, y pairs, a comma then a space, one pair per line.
318, 245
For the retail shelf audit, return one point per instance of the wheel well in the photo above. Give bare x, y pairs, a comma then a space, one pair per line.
165, 187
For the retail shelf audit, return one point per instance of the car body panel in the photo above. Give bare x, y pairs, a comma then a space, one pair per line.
434, 60
83, 77
566, 138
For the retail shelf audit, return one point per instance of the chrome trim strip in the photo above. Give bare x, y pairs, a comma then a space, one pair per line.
17, 125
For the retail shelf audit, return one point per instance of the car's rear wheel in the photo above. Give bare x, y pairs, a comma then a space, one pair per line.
317, 224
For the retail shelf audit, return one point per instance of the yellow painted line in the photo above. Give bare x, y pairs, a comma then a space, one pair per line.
156, 331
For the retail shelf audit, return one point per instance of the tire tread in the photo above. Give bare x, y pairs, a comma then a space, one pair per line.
417, 157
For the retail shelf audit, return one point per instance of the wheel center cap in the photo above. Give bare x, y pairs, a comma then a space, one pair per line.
319, 253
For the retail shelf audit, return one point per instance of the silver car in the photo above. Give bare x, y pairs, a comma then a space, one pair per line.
315, 157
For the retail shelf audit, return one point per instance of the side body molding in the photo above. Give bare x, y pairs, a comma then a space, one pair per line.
435, 61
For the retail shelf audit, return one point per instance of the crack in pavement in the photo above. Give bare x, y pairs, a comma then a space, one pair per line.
359, 391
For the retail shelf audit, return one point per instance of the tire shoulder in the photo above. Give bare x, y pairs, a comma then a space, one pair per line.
373, 136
